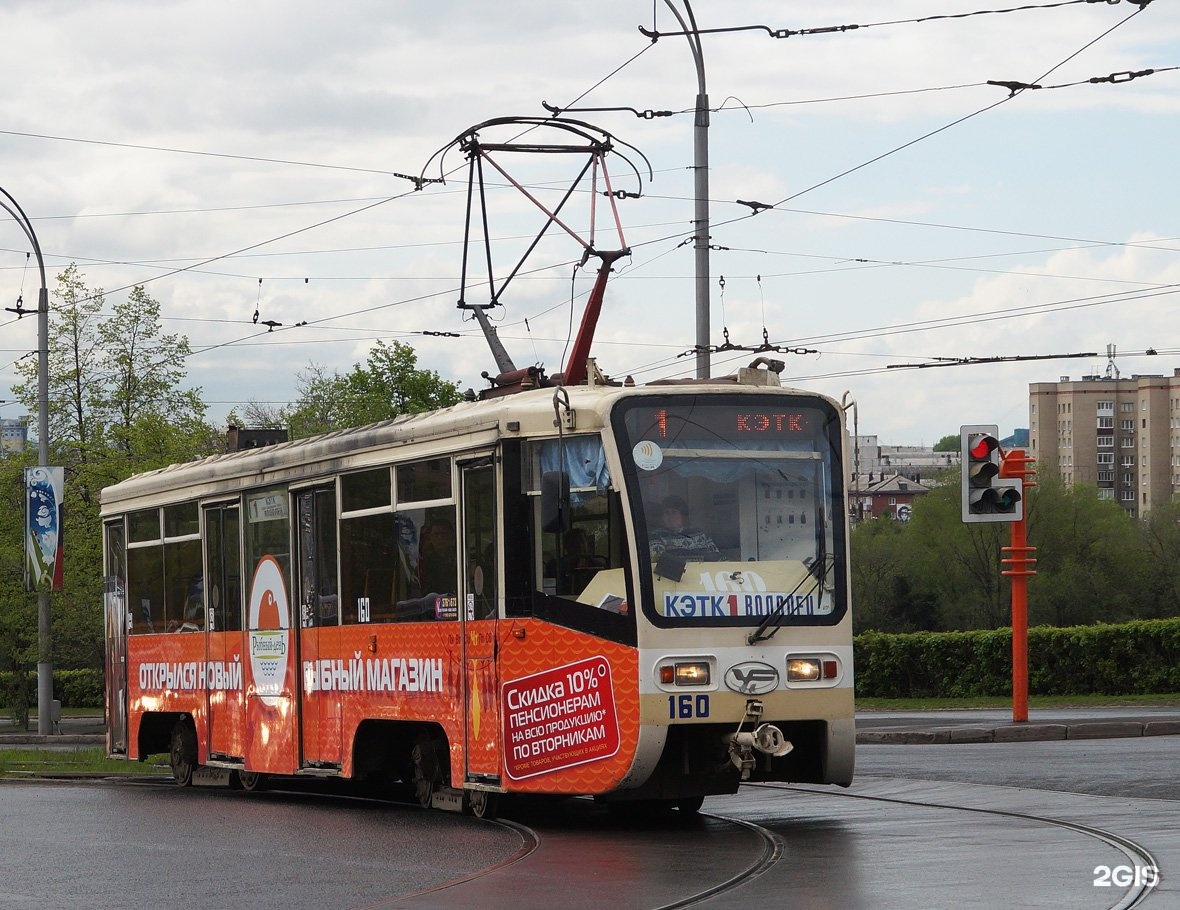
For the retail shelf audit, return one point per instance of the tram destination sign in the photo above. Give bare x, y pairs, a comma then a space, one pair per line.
755, 420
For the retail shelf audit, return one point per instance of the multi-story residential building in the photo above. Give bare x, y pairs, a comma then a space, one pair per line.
14, 434
1121, 435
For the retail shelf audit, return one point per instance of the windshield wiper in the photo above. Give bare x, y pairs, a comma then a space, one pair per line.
775, 618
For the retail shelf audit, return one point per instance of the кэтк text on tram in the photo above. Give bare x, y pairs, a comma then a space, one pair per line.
633, 593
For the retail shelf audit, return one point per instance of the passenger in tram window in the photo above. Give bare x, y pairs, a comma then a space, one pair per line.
675, 534
579, 564
437, 568
194, 605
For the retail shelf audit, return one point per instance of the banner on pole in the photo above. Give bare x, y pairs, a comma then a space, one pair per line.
43, 546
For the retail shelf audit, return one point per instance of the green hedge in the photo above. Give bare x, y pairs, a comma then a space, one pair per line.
1135, 658
74, 688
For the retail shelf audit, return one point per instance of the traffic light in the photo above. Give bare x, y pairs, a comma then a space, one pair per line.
987, 496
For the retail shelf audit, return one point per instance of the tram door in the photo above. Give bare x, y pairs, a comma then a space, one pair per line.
223, 629
319, 624
478, 612
115, 614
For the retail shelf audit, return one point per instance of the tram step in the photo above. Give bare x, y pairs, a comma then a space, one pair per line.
448, 799
211, 777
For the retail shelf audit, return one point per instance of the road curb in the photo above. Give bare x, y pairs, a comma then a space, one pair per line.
1019, 733
59, 739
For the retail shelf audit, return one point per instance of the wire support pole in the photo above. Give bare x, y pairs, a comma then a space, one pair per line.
44, 629
700, 190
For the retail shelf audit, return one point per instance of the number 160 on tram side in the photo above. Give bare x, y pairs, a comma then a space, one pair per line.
639, 594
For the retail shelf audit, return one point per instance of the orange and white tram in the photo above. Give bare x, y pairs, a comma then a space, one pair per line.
498, 598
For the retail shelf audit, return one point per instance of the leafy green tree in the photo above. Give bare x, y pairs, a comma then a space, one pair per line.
387, 385
1091, 564
115, 407
1161, 540
18, 609
152, 420
1094, 564
947, 443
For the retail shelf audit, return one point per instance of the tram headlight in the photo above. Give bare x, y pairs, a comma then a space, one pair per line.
686, 673
804, 669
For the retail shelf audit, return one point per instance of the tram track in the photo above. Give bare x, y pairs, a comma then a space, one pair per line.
1138, 856
773, 848
553, 846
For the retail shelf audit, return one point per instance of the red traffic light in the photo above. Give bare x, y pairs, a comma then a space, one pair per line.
982, 446
987, 494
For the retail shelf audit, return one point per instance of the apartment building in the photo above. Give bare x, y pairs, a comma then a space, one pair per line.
1120, 435
14, 434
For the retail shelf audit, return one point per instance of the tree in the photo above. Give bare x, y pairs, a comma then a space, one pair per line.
151, 419
1161, 539
18, 609
947, 443
116, 406
388, 385
1091, 565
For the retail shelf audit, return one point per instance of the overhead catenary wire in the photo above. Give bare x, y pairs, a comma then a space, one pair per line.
664, 253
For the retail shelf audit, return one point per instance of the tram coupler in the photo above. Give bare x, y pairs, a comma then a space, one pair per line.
765, 738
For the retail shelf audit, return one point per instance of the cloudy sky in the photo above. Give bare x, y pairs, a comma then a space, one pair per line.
248, 157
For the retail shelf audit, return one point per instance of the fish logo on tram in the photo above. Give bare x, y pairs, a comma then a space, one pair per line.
751, 678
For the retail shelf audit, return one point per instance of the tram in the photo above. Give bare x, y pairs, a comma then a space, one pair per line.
637, 593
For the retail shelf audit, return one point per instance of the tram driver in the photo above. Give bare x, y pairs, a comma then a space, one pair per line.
675, 533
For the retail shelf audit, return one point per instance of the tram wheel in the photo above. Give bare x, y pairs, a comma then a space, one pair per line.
251, 781
182, 753
482, 803
426, 772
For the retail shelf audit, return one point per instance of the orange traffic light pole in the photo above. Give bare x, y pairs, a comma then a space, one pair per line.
1020, 566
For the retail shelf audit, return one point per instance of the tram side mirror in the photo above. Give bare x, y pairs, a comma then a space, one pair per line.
555, 502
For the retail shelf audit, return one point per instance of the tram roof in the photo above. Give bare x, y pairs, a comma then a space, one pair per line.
481, 423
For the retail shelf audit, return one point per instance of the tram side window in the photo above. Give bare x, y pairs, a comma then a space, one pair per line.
164, 580
433, 562
585, 563
373, 570
145, 588
145, 572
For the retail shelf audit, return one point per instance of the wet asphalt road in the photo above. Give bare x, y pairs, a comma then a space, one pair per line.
978, 825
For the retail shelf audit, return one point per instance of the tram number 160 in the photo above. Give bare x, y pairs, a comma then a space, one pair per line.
686, 707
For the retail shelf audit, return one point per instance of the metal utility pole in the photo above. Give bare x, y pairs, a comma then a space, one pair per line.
44, 632
700, 190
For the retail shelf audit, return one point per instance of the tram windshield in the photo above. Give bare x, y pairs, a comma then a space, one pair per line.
736, 500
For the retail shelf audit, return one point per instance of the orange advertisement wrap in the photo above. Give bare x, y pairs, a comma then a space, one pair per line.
483, 729
271, 716
225, 695
383, 672
538, 661
542, 708
170, 673
559, 719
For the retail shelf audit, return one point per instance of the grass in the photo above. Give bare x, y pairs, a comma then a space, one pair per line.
32, 762
1166, 700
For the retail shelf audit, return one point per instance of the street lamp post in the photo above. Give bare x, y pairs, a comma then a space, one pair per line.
44, 633
700, 190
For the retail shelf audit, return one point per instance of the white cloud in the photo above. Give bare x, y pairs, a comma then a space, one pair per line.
382, 86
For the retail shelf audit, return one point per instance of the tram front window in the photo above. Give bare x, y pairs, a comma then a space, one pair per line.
735, 501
